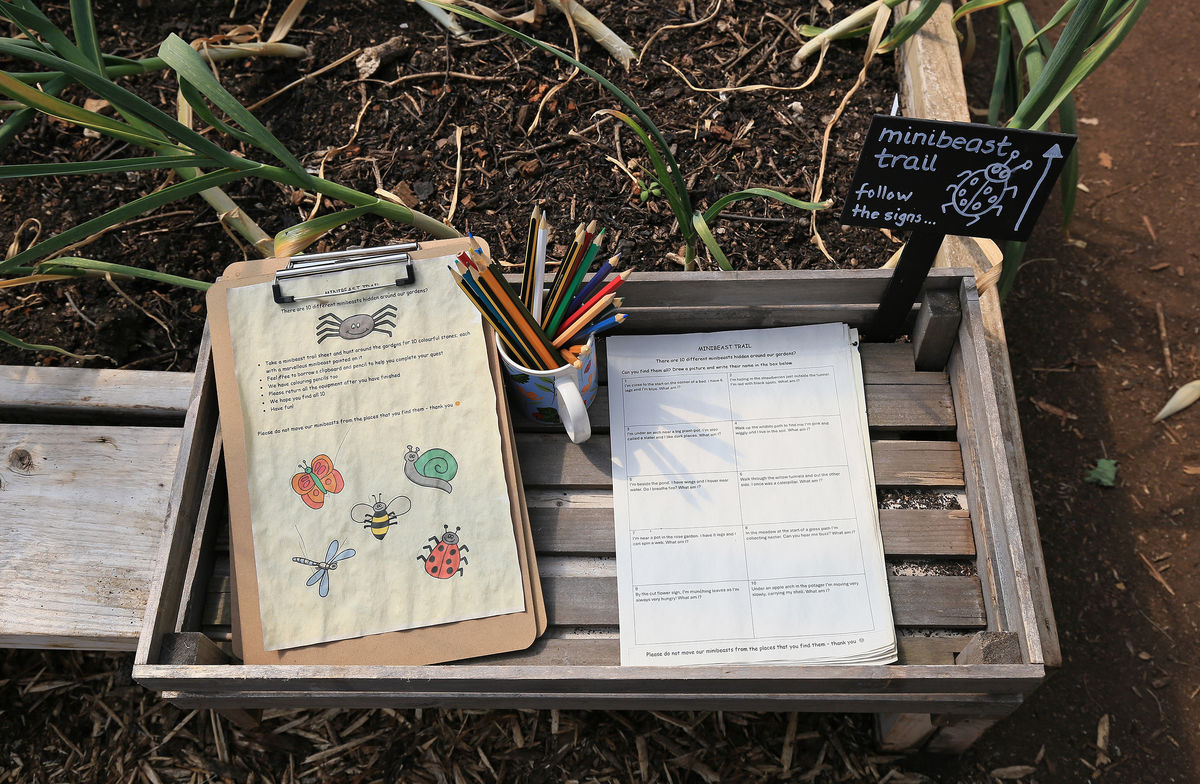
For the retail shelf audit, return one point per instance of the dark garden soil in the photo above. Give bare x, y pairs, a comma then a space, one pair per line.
1102, 327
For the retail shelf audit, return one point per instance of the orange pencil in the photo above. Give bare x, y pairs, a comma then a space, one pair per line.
580, 322
609, 288
523, 321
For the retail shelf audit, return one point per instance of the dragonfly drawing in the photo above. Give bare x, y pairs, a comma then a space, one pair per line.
323, 568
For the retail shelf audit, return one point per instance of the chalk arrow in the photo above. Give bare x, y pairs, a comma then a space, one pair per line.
1049, 155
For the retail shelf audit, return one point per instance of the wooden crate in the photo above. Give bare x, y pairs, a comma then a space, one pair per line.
969, 630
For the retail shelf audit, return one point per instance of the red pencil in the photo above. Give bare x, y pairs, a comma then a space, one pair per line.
609, 288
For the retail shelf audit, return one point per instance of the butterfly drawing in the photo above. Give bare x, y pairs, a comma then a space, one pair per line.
314, 481
322, 568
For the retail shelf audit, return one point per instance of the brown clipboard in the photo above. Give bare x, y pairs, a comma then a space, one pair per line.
426, 645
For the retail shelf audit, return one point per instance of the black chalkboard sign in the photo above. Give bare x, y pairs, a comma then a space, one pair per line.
954, 178
935, 178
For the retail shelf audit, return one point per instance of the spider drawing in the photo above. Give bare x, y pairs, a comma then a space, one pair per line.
356, 326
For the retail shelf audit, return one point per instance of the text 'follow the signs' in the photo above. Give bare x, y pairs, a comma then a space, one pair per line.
954, 178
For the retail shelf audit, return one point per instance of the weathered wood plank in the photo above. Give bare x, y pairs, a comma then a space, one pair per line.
932, 87
591, 600
82, 521
764, 289
585, 527
890, 408
549, 460
977, 704
469, 676
84, 395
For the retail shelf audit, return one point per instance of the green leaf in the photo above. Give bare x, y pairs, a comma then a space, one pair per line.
710, 242
1094, 57
908, 25
126, 101
121, 214
679, 205
104, 167
65, 263
84, 24
750, 193
1045, 92
192, 67
968, 8
48, 104
1104, 474
13, 340
296, 238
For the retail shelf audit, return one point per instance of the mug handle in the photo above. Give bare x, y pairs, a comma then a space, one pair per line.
571, 409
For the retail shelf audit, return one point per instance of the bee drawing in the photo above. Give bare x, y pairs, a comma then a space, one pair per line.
379, 516
445, 555
323, 568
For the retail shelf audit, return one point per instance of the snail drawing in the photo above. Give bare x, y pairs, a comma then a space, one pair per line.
434, 468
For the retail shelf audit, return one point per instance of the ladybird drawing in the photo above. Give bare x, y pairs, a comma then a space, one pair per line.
317, 479
445, 555
434, 469
380, 516
980, 191
357, 326
323, 568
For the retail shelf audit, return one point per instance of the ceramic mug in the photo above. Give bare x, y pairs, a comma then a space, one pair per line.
559, 396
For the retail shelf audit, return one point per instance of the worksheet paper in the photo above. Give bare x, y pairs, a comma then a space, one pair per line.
374, 456
746, 520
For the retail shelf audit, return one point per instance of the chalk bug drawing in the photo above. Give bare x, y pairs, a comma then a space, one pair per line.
379, 516
980, 191
357, 326
435, 468
445, 555
323, 568
317, 479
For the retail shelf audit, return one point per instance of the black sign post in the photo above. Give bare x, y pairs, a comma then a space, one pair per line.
936, 178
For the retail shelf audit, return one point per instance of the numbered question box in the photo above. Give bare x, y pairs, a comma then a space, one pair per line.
687, 554
804, 392
696, 448
799, 608
679, 398
692, 612
685, 501
796, 495
788, 443
781, 550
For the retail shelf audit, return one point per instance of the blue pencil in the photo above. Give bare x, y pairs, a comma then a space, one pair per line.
593, 285
600, 326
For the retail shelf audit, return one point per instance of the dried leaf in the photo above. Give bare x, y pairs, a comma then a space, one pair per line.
1184, 396
1105, 160
1013, 772
1102, 757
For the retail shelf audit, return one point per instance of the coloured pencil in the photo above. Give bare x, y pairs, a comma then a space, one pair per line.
539, 267
551, 300
530, 248
592, 286
582, 321
601, 294
602, 325
566, 272
573, 282
503, 320
484, 311
520, 315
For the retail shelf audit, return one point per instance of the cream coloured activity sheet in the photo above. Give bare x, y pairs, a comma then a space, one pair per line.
378, 499
746, 519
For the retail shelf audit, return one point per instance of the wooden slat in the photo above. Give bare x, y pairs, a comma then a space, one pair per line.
585, 527
890, 408
580, 600
83, 395
83, 510
932, 86
766, 289
549, 460
972, 704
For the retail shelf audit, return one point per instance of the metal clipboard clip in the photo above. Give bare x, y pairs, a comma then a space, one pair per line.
322, 263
